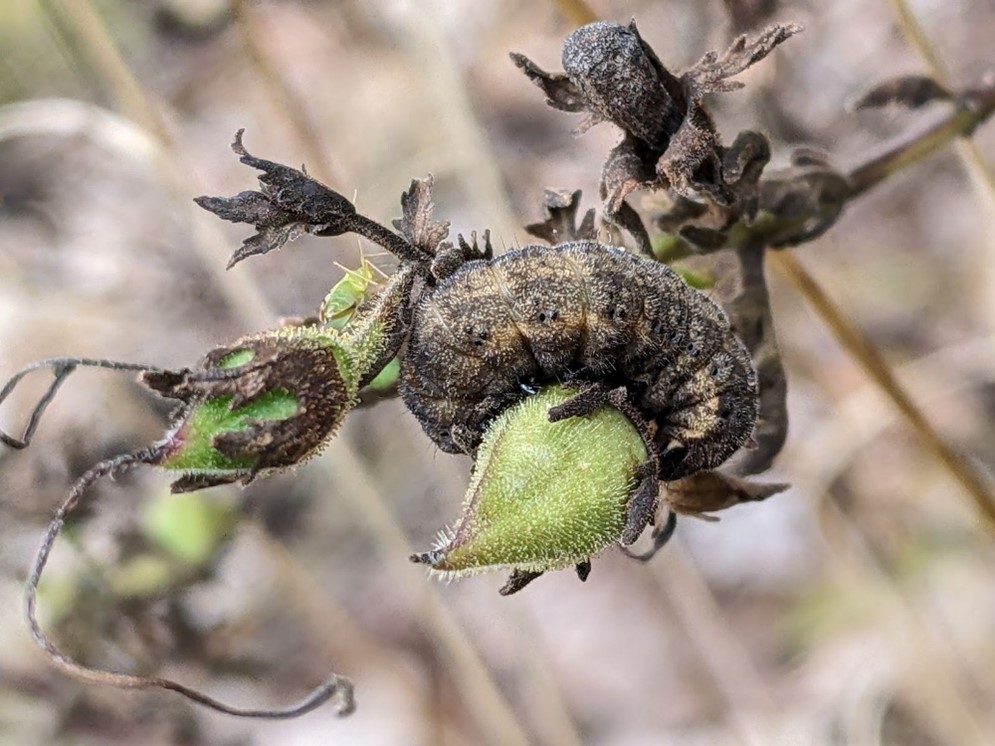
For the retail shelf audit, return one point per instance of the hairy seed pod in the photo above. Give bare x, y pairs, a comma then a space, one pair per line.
265, 402
586, 312
544, 495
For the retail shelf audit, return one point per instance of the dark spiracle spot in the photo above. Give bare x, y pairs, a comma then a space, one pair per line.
483, 335
692, 349
468, 330
542, 318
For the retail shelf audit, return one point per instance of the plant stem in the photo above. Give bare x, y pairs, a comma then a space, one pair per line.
964, 471
972, 109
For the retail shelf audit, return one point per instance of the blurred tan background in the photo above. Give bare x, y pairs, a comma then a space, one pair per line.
856, 608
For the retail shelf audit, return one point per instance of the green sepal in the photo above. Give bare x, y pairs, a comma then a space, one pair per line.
208, 419
386, 379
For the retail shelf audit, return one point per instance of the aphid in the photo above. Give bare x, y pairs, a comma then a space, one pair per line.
487, 331
345, 297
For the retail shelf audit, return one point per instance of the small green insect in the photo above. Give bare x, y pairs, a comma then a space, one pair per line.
344, 299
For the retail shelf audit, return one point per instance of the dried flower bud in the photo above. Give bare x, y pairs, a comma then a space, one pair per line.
265, 402
543, 495
670, 141
633, 90
289, 204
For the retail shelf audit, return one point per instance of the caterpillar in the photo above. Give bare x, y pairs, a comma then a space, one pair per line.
580, 312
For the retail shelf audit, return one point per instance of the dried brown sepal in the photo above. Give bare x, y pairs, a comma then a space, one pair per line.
692, 163
473, 249
704, 240
786, 207
416, 223
910, 91
517, 581
630, 166
560, 225
289, 204
695, 161
707, 225
743, 164
670, 140
560, 92
675, 212
711, 73
449, 258
195, 482
805, 199
711, 491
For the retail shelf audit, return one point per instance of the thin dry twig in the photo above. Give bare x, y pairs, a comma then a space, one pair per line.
932, 681
93, 45
84, 32
964, 471
970, 110
979, 172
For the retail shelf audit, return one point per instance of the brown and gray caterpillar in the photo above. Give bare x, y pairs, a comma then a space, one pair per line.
581, 312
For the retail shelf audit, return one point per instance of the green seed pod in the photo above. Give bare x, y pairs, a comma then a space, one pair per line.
543, 495
274, 399
265, 402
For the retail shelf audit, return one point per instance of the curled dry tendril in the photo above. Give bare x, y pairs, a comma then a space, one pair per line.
335, 687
